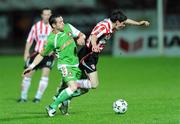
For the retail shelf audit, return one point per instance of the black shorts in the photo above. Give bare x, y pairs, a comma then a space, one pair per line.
48, 61
88, 60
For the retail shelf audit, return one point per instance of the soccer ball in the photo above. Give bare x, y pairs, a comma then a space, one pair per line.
120, 106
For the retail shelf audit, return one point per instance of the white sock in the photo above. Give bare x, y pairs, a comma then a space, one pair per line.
84, 83
42, 87
25, 87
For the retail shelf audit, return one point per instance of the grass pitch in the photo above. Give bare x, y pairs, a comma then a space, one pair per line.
151, 86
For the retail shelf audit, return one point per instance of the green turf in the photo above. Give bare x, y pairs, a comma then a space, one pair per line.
151, 86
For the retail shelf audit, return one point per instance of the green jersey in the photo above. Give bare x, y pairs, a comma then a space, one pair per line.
64, 46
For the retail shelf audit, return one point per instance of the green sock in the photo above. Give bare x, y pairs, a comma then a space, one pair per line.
79, 92
65, 94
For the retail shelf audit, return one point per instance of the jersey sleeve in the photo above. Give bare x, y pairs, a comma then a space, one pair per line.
99, 31
48, 48
31, 35
75, 32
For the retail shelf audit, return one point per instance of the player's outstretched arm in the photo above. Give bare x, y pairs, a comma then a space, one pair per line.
133, 22
36, 61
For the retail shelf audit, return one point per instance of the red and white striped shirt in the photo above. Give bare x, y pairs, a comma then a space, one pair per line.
39, 33
103, 31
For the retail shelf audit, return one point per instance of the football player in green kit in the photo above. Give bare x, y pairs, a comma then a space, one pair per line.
61, 41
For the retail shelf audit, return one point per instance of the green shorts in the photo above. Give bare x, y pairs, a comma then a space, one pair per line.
70, 73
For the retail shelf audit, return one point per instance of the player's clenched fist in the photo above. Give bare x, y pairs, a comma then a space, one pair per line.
27, 71
146, 23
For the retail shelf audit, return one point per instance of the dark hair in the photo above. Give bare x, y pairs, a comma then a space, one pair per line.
46, 8
52, 19
117, 15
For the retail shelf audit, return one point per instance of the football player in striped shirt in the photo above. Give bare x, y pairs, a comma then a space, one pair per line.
89, 54
38, 34
101, 33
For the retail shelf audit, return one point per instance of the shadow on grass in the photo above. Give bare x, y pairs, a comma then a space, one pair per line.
26, 115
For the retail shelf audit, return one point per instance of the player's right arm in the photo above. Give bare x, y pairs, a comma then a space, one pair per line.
98, 32
78, 34
49, 47
94, 39
36, 61
29, 42
26, 51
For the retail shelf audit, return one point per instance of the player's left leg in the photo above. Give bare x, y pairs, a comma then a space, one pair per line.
46, 66
86, 84
64, 106
88, 80
26, 82
65, 94
80, 91
43, 83
62, 86
93, 77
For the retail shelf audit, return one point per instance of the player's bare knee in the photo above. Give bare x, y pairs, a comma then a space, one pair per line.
95, 85
45, 72
72, 86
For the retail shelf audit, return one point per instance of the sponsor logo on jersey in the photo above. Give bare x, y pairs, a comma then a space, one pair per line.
70, 74
70, 34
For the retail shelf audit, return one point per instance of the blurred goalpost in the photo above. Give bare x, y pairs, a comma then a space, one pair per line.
160, 17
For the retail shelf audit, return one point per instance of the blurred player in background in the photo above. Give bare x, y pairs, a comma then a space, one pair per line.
38, 33
89, 54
